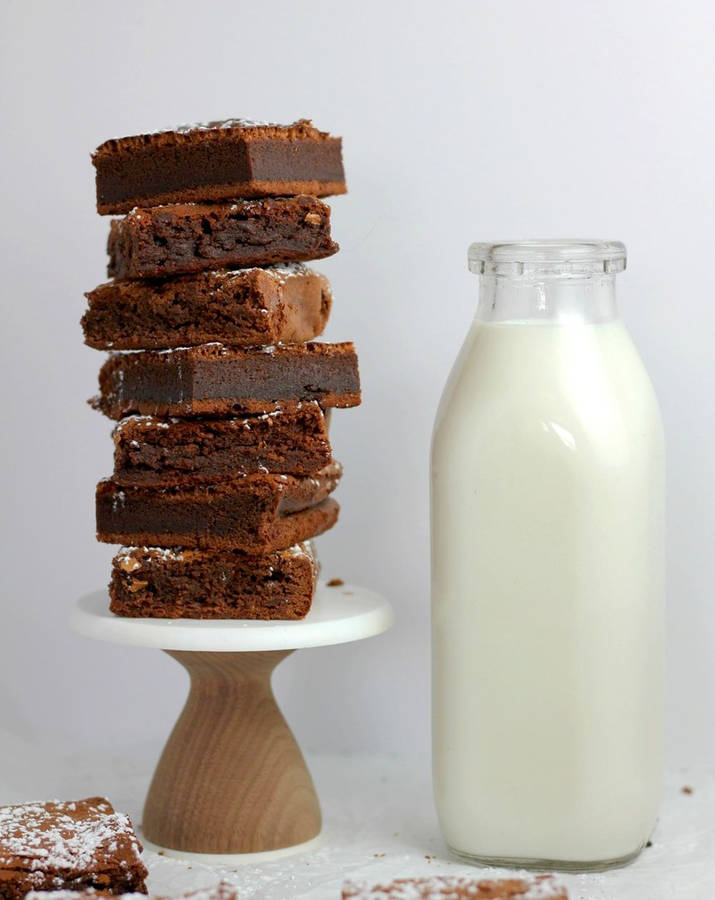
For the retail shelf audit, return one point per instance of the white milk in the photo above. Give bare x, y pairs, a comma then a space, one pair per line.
547, 593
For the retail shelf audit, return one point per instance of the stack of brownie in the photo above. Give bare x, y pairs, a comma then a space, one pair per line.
223, 467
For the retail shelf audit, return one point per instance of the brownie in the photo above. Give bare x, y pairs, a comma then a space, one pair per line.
213, 584
451, 887
222, 891
189, 237
290, 441
215, 380
244, 308
255, 513
81, 895
217, 161
74, 845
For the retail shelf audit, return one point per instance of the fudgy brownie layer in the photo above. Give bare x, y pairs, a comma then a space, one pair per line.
451, 887
215, 380
213, 584
74, 845
217, 161
243, 308
152, 451
255, 513
173, 240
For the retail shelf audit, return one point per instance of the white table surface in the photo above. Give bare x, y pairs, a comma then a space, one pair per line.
379, 824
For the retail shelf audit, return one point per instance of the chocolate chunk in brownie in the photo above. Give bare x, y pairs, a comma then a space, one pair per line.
290, 441
243, 308
217, 161
74, 845
255, 513
172, 240
213, 584
215, 380
451, 887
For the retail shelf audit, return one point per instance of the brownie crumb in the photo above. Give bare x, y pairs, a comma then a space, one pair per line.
335, 582
686, 789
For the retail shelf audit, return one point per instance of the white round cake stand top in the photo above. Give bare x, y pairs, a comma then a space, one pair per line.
338, 615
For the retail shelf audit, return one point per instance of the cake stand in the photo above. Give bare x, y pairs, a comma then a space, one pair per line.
231, 784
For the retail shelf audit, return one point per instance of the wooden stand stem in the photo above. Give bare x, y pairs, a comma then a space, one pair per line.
231, 778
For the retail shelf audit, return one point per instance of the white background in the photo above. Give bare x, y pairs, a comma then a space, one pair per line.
461, 121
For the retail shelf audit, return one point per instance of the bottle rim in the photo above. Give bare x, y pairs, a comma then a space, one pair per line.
556, 257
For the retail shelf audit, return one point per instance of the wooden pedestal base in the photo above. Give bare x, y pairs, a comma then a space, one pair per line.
232, 781
231, 778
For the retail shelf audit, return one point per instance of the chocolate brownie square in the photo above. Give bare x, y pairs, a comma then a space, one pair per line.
176, 583
292, 440
222, 891
243, 308
450, 887
254, 513
73, 845
217, 161
173, 240
215, 380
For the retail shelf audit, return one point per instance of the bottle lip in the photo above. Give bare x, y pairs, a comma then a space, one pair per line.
547, 257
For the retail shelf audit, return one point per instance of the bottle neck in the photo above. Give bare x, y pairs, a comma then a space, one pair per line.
563, 300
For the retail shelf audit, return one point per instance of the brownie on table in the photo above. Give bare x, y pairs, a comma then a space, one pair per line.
255, 513
213, 584
450, 887
191, 237
68, 845
244, 308
216, 380
222, 891
217, 161
291, 441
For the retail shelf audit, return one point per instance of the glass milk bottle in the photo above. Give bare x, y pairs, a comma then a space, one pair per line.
547, 569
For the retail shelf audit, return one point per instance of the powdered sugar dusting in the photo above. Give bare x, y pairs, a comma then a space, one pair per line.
223, 124
222, 891
66, 837
541, 887
128, 558
280, 271
304, 549
119, 354
76, 895
144, 421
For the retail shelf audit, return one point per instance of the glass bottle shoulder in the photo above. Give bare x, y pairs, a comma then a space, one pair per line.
568, 384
